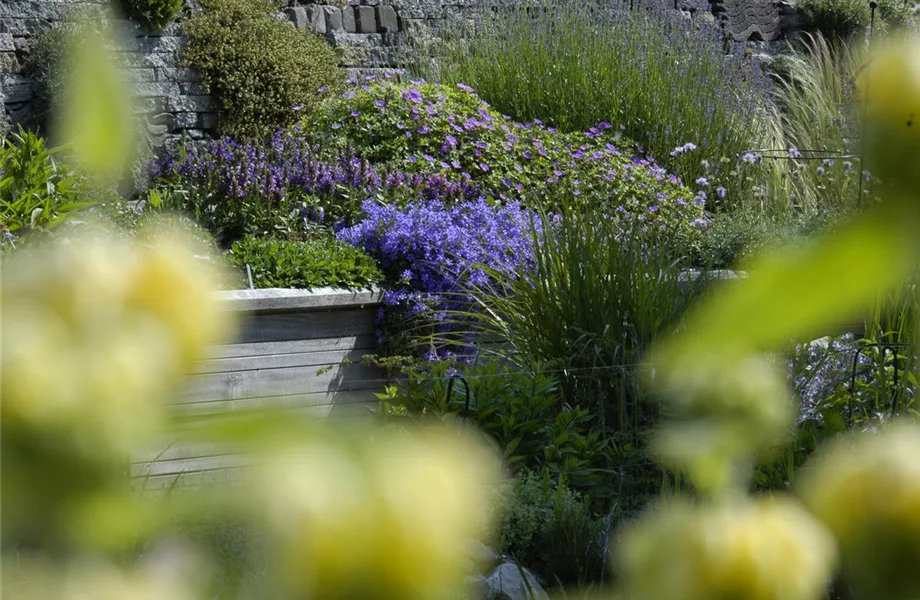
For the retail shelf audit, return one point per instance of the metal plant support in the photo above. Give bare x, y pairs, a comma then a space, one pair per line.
466, 387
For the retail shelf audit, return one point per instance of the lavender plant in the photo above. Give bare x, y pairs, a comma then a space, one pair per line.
238, 188
665, 79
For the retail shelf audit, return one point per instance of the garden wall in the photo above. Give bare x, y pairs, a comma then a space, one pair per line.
369, 34
296, 350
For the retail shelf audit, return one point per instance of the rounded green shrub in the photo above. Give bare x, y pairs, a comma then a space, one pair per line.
428, 128
260, 70
153, 15
843, 18
321, 261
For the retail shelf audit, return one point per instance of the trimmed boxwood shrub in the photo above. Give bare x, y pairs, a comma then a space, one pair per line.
153, 15
259, 69
425, 128
321, 261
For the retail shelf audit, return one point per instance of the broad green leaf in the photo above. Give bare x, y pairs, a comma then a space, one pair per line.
802, 292
98, 123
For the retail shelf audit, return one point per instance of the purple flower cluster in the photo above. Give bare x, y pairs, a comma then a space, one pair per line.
434, 251
287, 172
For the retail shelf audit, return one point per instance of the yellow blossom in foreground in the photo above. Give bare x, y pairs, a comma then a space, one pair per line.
382, 518
764, 549
96, 333
890, 84
866, 488
86, 581
723, 411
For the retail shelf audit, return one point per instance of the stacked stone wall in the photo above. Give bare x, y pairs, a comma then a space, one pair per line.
368, 34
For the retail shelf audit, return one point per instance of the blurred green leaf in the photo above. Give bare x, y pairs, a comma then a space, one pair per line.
802, 292
98, 122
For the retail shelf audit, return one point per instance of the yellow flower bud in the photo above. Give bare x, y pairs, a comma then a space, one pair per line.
866, 488
764, 549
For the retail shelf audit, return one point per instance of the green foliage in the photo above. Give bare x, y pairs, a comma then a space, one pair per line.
37, 192
575, 63
594, 301
450, 130
260, 69
736, 236
547, 527
521, 410
153, 15
47, 64
320, 261
843, 18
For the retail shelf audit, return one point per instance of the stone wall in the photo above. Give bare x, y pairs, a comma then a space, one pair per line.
369, 35
170, 98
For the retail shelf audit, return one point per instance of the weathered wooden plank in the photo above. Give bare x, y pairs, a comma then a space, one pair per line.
277, 361
282, 381
176, 449
350, 342
305, 326
298, 300
265, 403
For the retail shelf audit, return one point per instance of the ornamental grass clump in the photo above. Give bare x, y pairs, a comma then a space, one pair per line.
667, 80
449, 130
724, 400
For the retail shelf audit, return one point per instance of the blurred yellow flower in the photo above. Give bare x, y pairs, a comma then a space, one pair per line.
866, 488
723, 411
890, 83
382, 518
96, 333
86, 580
764, 549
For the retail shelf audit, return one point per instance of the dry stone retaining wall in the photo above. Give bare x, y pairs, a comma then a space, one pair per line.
369, 35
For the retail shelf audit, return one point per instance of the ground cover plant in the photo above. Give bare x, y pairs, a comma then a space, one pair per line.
666, 80
259, 69
449, 130
319, 261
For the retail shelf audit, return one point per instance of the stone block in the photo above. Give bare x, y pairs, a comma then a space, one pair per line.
176, 74
317, 18
156, 104
298, 16
149, 90
6, 43
185, 120
18, 89
165, 43
8, 63
349, 20
140, 75
333, 18
196, 134
387, 21
180, 103
366, 19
